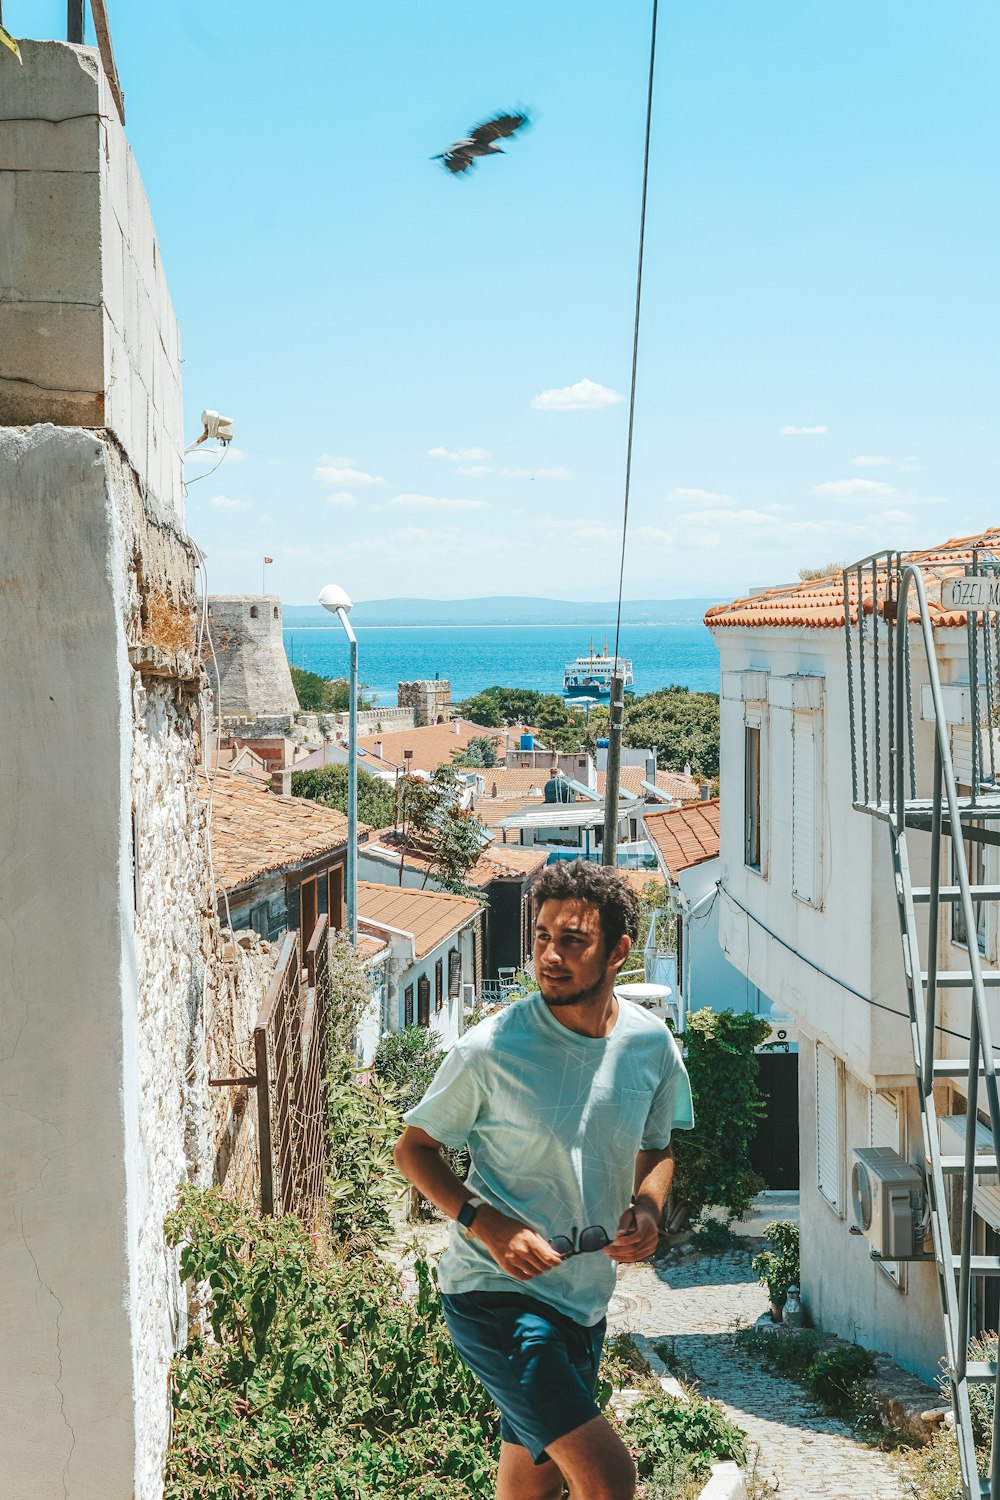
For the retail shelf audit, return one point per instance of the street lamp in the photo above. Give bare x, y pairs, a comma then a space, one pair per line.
339, 602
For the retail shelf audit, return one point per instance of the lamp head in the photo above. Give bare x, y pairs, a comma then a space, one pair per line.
334, 597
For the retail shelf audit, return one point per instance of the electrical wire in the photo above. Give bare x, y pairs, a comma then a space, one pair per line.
208, 472
635, 328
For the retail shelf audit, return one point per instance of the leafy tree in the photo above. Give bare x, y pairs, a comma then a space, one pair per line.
431, 817
483, 709
502, 705
683, 726
328, 785
330, 695
479, 752
713, 1159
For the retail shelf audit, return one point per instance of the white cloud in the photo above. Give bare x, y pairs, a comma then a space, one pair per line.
434, 502
223, 502
459, 455
342, 472
214, 455
537, 473
585, 395
880, 460
803, 431
853, 489
342, 498
475, 471
895, 518
706, 497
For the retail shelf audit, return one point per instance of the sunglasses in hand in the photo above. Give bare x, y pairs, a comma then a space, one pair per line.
595, 1237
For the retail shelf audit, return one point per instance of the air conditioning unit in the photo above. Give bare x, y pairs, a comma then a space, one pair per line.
887, 1194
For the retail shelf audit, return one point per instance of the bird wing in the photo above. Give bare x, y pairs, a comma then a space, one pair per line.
496, 129
457, 158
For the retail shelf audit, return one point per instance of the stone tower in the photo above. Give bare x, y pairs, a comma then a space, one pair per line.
430, 700
253, 677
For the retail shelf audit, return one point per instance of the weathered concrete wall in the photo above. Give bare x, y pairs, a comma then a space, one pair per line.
249, 671
88, 336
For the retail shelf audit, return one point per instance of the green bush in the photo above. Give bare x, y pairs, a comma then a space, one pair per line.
835, 1374
713, 1159
792, 1355
328, 785
778, 1268
321, 1380
362, 1181
331, 695
659, 1428
406, 1062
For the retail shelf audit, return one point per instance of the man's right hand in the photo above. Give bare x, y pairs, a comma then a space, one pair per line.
518, 1250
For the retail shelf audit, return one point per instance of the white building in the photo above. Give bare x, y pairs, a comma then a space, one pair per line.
808, 913
431, 938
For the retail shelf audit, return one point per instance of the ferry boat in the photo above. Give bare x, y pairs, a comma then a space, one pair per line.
590, 676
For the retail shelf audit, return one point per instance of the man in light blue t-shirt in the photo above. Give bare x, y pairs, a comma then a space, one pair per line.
566, 1101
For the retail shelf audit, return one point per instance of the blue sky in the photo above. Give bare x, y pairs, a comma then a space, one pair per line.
818, 362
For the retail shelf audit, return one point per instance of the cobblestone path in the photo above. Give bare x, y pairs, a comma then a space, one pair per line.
695, 1301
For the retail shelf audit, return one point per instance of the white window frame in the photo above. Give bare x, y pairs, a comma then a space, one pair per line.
755, 717
830, 1129
886, 1128
807, 824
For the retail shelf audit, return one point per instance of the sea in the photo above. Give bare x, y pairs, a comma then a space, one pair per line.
473, 657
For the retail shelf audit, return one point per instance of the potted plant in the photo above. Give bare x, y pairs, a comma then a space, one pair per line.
778, 1267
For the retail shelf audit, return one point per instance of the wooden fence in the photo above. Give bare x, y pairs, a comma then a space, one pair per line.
290, 1049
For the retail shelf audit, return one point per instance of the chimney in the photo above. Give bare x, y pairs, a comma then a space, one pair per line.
456, 726
377, 749
687, 768
704, 791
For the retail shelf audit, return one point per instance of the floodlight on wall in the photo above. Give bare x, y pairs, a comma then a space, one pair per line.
213, 426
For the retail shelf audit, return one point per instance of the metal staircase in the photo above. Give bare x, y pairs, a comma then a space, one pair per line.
903, 617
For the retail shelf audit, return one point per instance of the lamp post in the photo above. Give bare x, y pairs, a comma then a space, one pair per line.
339, 602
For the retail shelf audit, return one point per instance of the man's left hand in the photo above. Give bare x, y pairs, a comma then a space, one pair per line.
637, 1237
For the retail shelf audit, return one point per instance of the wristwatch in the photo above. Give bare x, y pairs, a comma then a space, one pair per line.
467, 1213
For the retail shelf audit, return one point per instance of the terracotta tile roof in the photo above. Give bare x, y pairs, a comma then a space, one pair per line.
497, 862
685, 836
819, 603
432, 745
639, 879
368, 946
490, 812
431, 916
254, 830
512, 782
675, 784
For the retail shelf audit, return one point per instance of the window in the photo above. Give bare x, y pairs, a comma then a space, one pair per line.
253, 611
454, 974
423, 1001
752, 799
260, 919
408, 1005
829, 1129
308, 909
975, 861
884, 1130
439, 985
805, 835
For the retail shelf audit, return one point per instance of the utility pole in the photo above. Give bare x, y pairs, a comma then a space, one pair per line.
612, 776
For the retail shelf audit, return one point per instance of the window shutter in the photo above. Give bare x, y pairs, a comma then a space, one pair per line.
454, 974
804, 806
828, 1151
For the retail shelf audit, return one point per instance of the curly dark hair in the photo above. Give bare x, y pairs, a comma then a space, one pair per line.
610, 892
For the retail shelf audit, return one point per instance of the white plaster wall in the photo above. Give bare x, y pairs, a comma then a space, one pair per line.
845, 1292
853, 934
69, 1082
709, 978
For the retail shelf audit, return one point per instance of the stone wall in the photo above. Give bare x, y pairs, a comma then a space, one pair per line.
88, 335
249, 672
430, 700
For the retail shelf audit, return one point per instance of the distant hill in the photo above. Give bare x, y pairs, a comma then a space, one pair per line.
504, 609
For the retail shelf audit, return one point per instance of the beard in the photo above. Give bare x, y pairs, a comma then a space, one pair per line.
579, 997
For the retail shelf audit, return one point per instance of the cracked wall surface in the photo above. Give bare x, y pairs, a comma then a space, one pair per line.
120, 997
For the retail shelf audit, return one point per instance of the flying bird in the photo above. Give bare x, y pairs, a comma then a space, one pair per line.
461, 155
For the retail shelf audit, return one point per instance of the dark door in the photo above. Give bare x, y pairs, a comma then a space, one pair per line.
335, 909
775, 1149
308, 909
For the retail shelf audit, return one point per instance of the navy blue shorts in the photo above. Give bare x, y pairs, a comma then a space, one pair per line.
538, 1365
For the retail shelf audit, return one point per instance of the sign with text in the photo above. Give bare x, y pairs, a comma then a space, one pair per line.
980, 591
